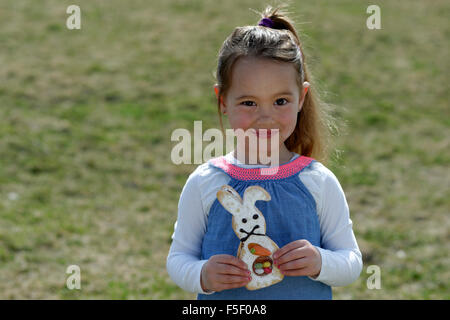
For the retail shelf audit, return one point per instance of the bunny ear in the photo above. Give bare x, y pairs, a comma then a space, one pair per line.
230, 199
254, 193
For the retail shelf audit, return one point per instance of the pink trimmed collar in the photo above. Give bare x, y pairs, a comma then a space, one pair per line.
267, 173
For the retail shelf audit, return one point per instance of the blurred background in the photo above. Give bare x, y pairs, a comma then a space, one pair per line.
86, 118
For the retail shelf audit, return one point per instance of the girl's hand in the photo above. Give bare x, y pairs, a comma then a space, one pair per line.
298, 258
222, 272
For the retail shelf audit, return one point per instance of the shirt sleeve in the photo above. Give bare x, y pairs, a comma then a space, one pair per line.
183, 262
341, 257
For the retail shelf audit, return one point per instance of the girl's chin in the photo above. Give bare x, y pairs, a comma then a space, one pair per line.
262, 148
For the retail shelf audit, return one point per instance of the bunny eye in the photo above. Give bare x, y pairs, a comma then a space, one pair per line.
255, 216
244, 220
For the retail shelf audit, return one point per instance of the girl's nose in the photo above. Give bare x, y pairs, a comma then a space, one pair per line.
265, 112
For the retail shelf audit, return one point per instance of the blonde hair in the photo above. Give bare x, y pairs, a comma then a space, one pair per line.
313, 130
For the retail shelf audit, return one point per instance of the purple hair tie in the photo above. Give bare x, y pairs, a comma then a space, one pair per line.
266, 22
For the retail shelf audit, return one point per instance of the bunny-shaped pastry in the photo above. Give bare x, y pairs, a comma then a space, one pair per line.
256, 248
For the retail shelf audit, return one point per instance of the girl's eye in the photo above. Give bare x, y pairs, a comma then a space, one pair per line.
247, 103
281, 99
244, 220
255, 216
280, 102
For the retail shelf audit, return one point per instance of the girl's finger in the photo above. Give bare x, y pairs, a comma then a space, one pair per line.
294, 254
290, 246
228, 259
231, 269
230, 279
295, 264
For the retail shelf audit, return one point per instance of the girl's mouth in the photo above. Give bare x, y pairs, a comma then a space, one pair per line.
263, 133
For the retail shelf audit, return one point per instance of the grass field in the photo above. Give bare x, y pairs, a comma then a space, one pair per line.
86, 118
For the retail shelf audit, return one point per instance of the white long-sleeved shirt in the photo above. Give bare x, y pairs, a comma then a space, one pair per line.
341, 257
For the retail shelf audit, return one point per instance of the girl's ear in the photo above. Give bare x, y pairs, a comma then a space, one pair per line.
216, 90
305, 89
222, 105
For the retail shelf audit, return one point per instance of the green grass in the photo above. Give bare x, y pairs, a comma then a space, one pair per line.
86, 118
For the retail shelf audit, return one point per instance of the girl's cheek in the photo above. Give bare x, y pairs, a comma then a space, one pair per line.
289, 120
241, 121
288, 116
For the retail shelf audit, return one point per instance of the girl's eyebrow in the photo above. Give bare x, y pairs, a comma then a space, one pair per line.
286, 93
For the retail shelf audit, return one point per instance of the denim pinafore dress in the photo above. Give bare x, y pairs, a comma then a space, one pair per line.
290, 215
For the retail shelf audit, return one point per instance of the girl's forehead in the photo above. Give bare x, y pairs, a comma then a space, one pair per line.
245, 65
256, 75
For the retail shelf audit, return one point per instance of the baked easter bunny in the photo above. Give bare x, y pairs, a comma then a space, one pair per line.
248, 223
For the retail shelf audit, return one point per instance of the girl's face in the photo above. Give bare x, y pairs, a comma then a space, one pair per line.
264, 95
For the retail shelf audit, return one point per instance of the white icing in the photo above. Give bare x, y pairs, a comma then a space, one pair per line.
259, 271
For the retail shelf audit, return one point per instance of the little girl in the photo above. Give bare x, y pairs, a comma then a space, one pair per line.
262, 83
